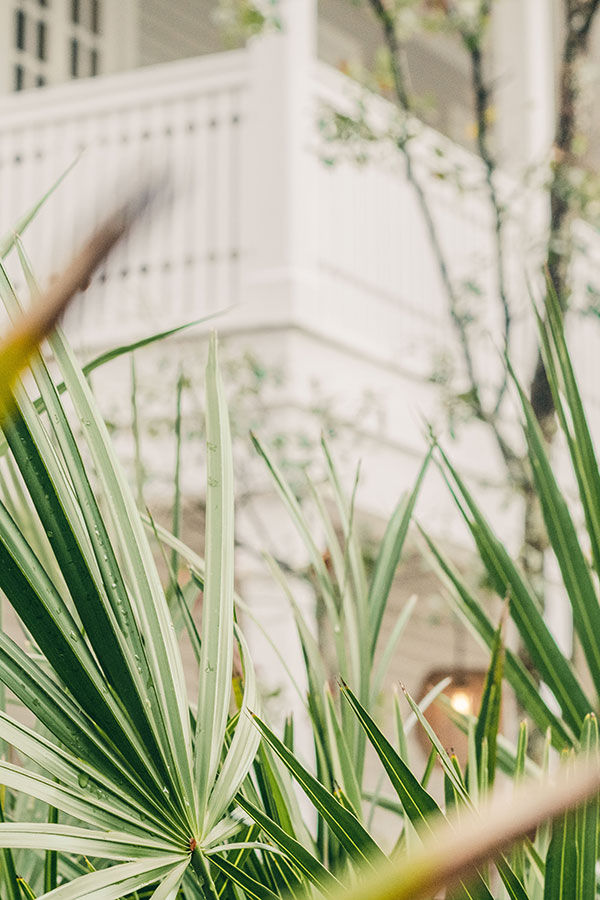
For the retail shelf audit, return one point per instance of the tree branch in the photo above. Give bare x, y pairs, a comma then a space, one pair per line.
389, 31
472, 41
579, 19
514, 462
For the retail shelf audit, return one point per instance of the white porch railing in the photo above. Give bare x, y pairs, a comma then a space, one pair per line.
185, 117
375, 284
375, 252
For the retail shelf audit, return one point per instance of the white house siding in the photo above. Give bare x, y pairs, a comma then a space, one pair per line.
177, 30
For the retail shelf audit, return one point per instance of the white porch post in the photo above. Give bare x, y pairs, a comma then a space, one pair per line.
277, 188
524, 72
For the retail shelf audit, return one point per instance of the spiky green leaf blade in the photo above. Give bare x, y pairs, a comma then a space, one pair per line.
355, 609
8, 874
121, 880
588, 820
149, 601
98, 618
78, 774
72, 801
306, 862
417, 803
571, 414
47, 617
340, 754
389, 555
217, 610
51, 857
290, 501
518, 856
419, 806
104, 605
552, 665
565, 543
250, 886
488, 720
244, 745
74, 839
561, 860
8, 240
168, 889
400, 729
447, 764
521, 681
511, 881
391, 646
344, 825
125, 349
67, 722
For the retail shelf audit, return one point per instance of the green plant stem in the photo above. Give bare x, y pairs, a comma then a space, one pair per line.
201, 868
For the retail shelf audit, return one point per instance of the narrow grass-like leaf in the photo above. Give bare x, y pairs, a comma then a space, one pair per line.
344, 825
452, 853
389, 555
120, 648
346, 512
488, 720
420, 807
217, 610
244, 745
340, 754
168, 889
390, 648
73, 839
250, 886
524, 686
306, 862
149, 601
560, 882
552, 665
559, 370
565, 543
51, 857
7, 242
290, 501
96, 613
65, 719
47, 617
78, 774
450, 770
8, 874
73, 802
119, 881
177, 516
588, 820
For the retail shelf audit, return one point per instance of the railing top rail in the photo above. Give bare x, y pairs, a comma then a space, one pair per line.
95, 95
339, 91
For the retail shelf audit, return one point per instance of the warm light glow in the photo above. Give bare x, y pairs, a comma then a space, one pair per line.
462, 702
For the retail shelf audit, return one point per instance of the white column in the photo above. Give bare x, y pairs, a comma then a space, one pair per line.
541, 78
523, 76
278, 192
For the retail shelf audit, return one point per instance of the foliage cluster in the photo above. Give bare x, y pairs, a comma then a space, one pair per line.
119, 784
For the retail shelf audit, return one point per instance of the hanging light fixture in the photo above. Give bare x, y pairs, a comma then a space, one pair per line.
464, 694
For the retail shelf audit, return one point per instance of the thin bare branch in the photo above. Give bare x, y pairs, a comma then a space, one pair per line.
481, 94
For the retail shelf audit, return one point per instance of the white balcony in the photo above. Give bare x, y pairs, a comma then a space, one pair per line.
336, 259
